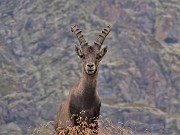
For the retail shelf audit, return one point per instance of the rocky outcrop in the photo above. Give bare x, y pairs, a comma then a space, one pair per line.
139, 78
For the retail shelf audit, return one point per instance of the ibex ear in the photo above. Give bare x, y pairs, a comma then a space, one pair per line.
78, 51
103, 51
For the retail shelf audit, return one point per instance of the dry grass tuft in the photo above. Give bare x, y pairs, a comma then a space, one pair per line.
83, 129
44, 129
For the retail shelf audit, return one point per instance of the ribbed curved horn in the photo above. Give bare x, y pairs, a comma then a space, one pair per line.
102, 36
79, 35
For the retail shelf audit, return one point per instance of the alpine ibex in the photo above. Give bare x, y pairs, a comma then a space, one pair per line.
83, 95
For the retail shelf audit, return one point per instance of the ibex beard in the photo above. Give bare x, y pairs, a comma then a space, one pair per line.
83, 103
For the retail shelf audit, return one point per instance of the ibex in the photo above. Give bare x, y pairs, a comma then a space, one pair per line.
83, 95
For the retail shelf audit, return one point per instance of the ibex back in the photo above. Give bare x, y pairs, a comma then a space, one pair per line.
83, 95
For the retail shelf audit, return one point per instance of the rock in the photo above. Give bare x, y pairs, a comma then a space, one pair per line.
38, 64
13, 129
138, 117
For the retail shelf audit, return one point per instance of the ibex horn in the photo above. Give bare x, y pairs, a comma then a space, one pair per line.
79, 35
102, 36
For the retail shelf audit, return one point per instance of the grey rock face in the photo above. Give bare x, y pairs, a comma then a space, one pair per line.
139, 77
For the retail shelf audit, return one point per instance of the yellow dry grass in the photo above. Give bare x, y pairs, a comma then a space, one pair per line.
83, 129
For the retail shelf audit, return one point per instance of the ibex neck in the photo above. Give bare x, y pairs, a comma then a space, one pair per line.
88, 83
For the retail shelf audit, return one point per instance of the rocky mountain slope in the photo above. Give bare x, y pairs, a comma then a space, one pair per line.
139, 81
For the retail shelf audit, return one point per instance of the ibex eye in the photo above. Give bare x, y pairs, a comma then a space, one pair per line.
98, 57
82, 56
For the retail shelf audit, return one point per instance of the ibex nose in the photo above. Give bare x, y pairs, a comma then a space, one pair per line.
90, 65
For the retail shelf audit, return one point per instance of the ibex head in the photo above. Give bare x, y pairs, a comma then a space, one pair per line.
91, 55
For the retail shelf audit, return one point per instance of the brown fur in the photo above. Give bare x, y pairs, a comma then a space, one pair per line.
83, 99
